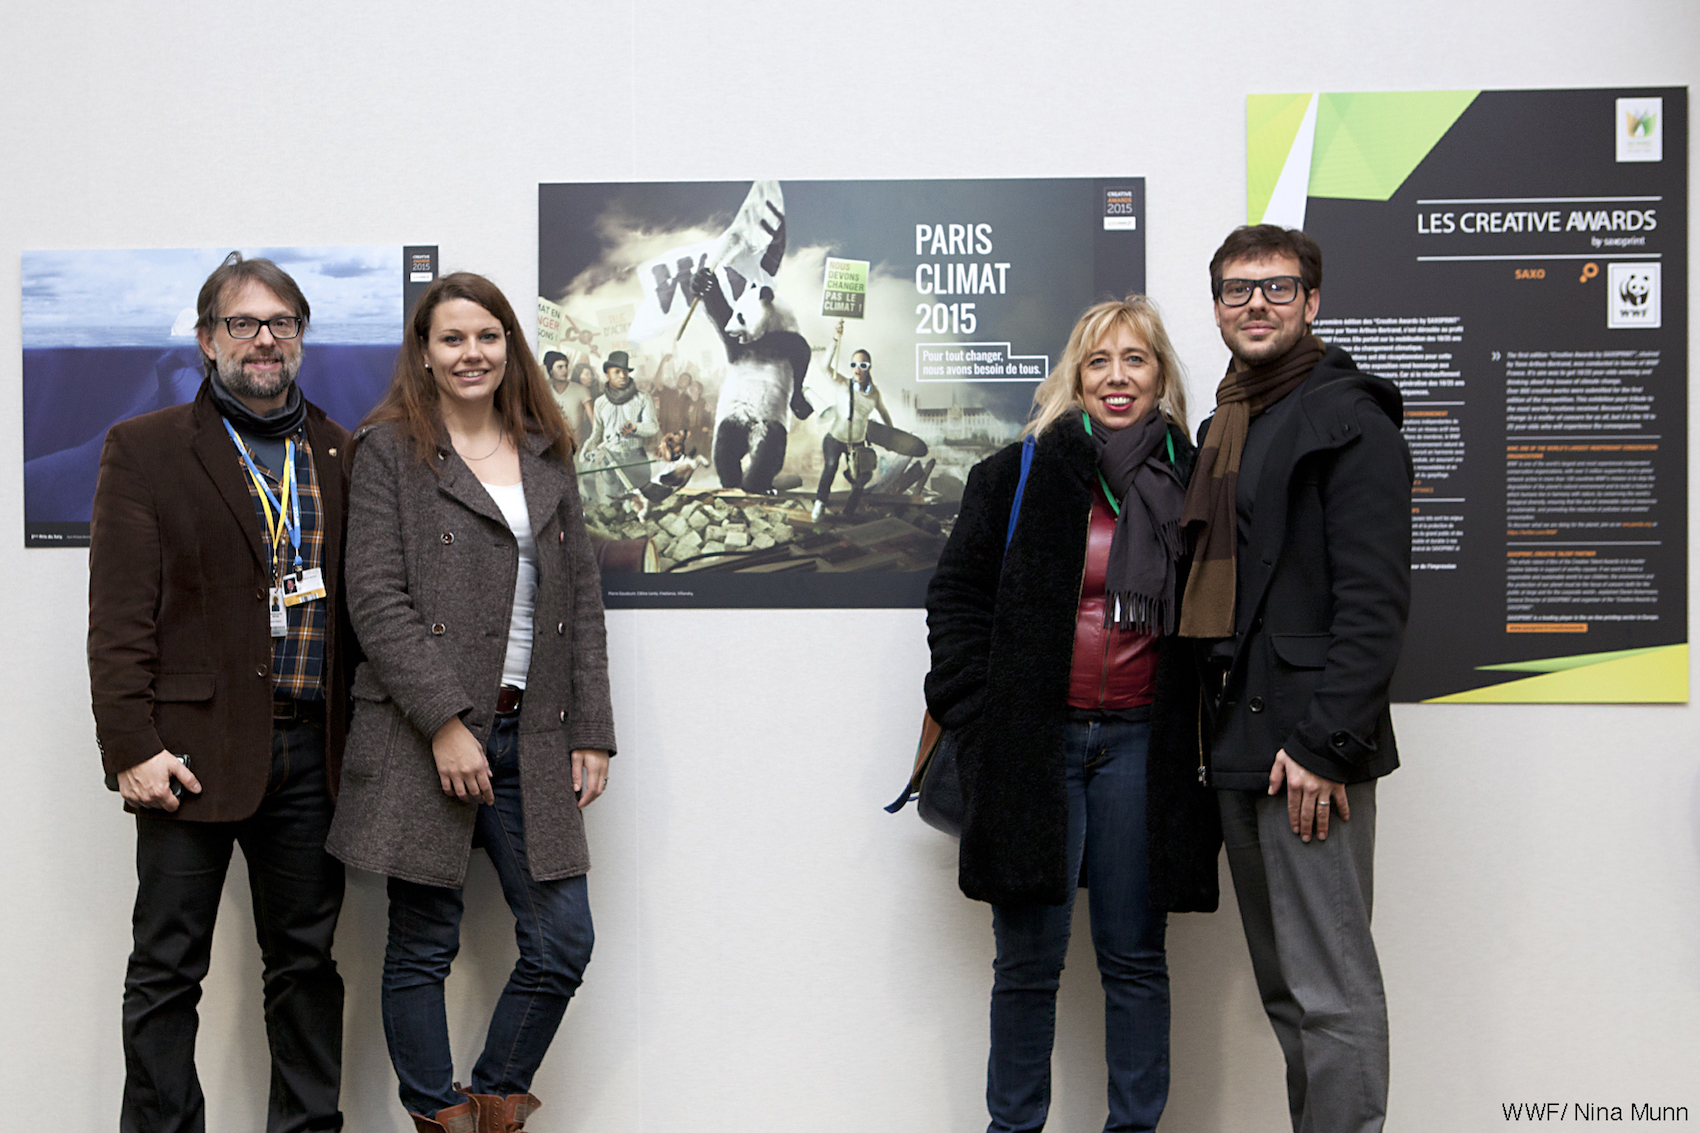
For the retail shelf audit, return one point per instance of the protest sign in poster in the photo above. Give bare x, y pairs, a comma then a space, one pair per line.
1517, 262
738, 466
844, 293
110, 334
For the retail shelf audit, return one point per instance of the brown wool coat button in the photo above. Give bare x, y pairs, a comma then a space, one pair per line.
438, 629
260, 593
259, 670
448, 536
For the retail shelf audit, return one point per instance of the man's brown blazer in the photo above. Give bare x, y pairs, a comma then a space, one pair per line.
180, 647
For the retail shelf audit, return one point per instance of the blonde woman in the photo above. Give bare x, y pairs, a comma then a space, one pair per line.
1074, 709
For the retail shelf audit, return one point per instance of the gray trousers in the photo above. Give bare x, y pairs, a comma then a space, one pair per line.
1306, 911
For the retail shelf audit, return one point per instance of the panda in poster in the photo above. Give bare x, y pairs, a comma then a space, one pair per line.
766, 360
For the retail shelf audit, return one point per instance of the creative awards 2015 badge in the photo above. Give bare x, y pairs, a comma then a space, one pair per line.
1640, 129
1632, 295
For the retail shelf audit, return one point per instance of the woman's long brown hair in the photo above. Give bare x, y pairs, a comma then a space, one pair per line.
523, 404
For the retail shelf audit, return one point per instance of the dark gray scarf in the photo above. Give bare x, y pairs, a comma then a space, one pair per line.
1139, 586
274, 426
622, 395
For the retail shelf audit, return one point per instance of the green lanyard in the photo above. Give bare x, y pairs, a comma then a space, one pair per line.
1105, 484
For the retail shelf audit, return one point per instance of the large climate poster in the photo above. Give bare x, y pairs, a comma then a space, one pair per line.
110, 334
1517, 262
779, 387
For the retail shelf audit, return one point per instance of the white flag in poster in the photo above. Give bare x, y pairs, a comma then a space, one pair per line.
747, 253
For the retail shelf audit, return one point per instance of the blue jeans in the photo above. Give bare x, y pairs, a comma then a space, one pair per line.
551, 926
1104, 771
297, 892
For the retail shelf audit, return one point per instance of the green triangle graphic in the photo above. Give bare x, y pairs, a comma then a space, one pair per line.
1559, 664
1629, 676
1271, 123
1367, 144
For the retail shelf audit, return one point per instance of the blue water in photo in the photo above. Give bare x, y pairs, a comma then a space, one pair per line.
72, 395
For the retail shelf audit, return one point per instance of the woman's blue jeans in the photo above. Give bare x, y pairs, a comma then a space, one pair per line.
553, 930
1105, 776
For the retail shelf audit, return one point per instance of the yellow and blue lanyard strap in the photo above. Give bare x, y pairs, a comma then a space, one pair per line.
290, 519
1105, 484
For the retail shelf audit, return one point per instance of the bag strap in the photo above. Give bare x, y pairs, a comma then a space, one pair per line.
931, 733
930, 729
1020, 487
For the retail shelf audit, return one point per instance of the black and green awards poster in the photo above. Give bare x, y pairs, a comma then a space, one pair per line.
957, 296
1517, 262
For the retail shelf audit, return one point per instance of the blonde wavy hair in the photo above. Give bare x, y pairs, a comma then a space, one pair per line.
1060, 392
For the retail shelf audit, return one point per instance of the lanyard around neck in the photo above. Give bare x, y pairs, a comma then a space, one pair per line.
287, 520
1116, 507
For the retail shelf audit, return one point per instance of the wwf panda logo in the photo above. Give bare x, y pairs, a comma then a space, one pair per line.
1632, 296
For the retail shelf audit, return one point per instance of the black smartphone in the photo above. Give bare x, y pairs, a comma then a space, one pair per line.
176, 783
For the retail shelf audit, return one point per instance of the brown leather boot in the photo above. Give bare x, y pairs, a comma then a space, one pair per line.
497, 1114
462, 1118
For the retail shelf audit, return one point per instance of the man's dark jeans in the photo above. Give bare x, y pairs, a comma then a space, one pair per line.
297, 891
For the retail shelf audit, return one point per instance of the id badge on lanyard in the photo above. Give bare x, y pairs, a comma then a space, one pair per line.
289, 587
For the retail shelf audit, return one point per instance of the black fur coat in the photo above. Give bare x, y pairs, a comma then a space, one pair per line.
1002, 640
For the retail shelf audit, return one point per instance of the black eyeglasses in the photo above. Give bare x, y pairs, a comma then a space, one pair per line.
1278, 290
861, 365
241, 326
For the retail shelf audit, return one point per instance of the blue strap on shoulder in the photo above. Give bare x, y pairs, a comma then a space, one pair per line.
923, 755
1020, 487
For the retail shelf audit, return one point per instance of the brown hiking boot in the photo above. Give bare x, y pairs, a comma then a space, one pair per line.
497, 1114
462, 1118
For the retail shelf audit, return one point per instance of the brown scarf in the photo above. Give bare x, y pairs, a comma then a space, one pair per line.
1208, 610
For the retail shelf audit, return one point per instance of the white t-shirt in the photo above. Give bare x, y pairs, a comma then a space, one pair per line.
511, 499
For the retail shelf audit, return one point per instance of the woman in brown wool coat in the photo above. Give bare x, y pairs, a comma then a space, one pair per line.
482, 713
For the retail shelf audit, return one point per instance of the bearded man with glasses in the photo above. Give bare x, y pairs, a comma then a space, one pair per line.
1300, 519
216, 663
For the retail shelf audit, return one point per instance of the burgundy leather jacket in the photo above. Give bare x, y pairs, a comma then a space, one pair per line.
1112, 668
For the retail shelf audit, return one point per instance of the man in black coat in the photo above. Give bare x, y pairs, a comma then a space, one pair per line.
1300, 514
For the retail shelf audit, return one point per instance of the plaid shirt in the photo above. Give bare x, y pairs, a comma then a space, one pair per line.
298, 658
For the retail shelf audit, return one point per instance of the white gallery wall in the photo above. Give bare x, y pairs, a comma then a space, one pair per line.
774, 952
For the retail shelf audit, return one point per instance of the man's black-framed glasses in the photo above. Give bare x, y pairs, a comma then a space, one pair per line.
1278, 290
282, 326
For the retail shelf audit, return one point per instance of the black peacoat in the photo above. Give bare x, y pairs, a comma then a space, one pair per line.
1001, 629
1326, 572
